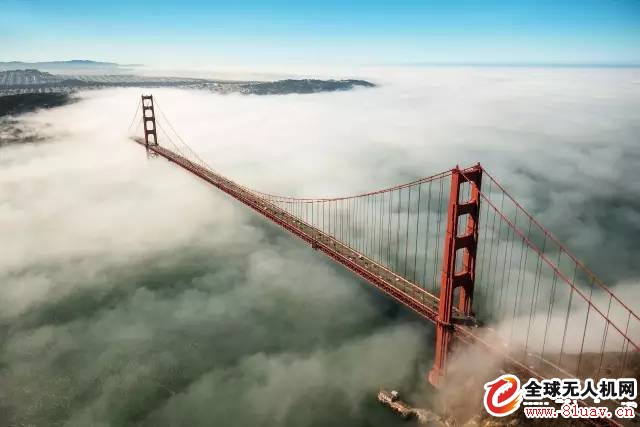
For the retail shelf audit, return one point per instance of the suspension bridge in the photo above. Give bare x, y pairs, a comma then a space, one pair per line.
460, 251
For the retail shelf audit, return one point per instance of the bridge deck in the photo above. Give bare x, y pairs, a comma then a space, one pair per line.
396, 286
407, 293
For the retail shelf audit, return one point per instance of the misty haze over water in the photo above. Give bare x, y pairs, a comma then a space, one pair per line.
134, 294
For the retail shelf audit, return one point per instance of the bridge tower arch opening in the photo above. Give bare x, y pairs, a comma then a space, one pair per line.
459, 262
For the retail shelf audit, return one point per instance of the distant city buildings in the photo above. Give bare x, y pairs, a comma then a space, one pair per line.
14, 82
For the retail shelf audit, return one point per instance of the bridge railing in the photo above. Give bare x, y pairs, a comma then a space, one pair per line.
544, 303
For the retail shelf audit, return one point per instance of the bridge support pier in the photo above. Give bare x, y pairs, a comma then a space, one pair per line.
456, 244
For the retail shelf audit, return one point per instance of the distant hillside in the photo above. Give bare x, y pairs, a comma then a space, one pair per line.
15, 82
68, 66
18, 104
81, 62
27, 77
283, 87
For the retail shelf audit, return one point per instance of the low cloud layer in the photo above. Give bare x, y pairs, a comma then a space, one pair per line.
133, 293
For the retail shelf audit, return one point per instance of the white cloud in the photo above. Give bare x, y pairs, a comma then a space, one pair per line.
85, 214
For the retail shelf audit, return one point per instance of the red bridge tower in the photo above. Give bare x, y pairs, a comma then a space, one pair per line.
149, 121
456, 244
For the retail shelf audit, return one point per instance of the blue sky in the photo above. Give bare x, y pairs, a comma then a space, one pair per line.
323, 32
